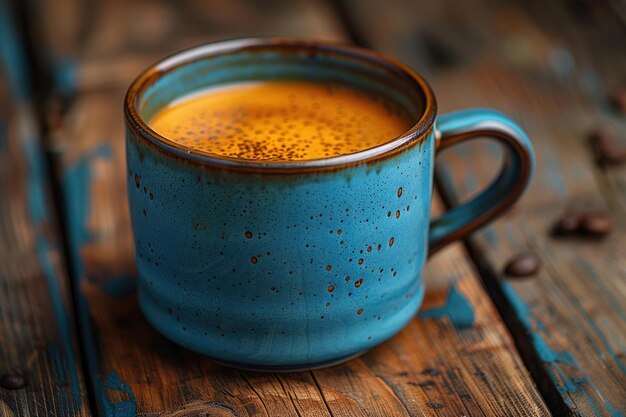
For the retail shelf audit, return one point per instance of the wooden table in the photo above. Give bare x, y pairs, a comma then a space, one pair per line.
483, 345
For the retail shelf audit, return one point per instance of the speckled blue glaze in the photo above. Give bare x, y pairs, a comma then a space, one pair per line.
281, 270
328, 270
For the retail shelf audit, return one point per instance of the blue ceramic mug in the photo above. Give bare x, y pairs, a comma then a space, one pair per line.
296, 265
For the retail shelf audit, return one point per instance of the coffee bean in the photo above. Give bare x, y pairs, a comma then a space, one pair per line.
12, 380
605, 144
568, 224
596, 224
523, 265
584, 224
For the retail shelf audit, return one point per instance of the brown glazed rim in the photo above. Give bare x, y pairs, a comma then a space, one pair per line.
412, 136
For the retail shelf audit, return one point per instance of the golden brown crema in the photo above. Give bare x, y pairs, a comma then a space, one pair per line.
281, 121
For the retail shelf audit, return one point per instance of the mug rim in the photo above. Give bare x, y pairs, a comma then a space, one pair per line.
415, 134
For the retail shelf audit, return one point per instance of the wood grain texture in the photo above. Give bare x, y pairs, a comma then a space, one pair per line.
551, 66
457, 360
37, 337
100, 45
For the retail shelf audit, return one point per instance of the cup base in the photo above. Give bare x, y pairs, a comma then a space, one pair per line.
288, 368
230, 353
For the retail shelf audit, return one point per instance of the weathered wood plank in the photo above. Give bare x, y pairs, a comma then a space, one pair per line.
552, 69
103, 44
37, 335
458, 360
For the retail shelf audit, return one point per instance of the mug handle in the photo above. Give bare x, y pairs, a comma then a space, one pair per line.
517, 167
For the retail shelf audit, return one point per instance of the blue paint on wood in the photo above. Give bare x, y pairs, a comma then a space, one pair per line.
65, 76
591, 321
457, 308
596, 410
592, 84
463, 151
609, 295
56, 362
125, 408
470, 182
60, 353
549, 355
35, 187
614, 411
494, 149
66, 371
554, 175
77, 192
120, 287
444, 174
510, 235
12, 55
568, 385
77, 182
63, 360
91, 353
556, 360
522, 312
603, 403
490, 236
620, 363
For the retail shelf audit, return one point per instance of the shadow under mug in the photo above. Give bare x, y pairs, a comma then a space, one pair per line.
298, 264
